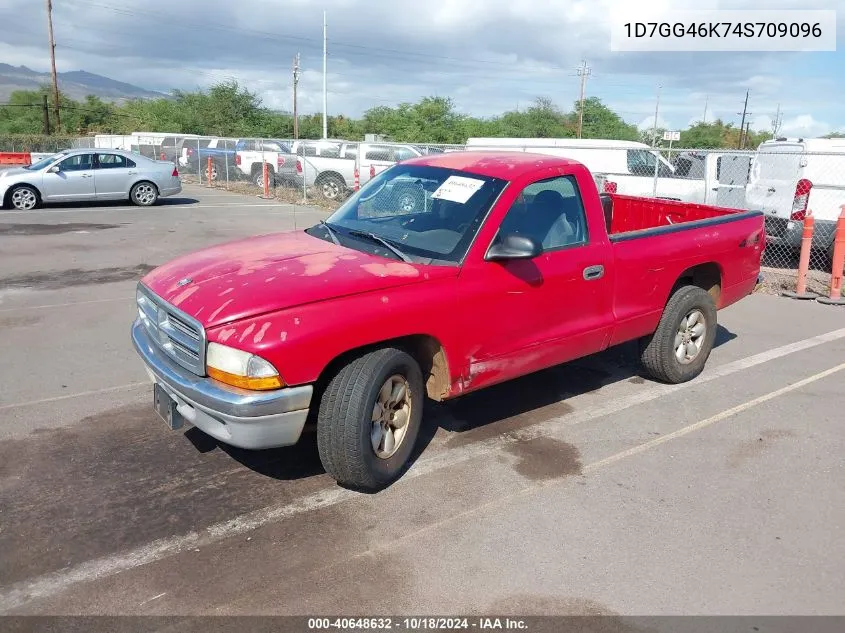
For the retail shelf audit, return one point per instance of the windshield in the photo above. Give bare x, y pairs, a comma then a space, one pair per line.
430, 214
41, 164
641, 163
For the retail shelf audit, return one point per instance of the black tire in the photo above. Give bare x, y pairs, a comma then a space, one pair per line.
258, 176
344, 420
658, 351
217, 170
143, 194
23, 198
409, 199
331, 187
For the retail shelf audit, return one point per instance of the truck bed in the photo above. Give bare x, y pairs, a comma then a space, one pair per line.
630, 214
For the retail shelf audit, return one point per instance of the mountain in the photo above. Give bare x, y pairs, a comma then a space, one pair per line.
76, 84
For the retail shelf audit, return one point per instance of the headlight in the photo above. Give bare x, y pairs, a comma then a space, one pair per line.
241, 369
147, 310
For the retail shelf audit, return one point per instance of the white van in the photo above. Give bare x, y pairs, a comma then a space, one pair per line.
627, 166
790, 177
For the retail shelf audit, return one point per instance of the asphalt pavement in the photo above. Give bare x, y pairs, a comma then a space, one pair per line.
584, 489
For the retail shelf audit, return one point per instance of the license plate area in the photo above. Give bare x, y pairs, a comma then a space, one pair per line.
165, 408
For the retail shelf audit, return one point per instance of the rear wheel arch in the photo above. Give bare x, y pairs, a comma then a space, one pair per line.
707, 276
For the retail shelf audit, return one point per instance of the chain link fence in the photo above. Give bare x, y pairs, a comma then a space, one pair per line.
784, 180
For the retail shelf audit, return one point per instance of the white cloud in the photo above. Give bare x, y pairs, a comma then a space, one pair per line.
804, 125
489, 55
648, 122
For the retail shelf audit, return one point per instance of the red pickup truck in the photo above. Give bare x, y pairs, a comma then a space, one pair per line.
443, 275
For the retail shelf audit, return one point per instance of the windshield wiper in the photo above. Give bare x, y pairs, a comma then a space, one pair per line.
330, 231
384, 243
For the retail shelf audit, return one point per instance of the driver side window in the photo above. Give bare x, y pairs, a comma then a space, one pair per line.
79, 162
550, 212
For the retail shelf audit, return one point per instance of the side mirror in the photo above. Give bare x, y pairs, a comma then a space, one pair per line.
513, 246
54, 170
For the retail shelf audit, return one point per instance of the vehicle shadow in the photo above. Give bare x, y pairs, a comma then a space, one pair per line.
477, 416
107, 204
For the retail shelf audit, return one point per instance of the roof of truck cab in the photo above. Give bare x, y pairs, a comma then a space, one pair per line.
498, 164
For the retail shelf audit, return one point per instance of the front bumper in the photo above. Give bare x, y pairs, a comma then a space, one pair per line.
242, 418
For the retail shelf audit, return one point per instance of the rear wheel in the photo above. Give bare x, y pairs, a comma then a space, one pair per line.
24, 198
331, 187
410, 200
369, 419
144, 194
258, 176
679, 348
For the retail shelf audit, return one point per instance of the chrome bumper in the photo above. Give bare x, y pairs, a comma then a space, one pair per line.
242, 418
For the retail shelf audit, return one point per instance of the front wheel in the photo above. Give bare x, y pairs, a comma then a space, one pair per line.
369, 419
679, 348
144, 194
24, 198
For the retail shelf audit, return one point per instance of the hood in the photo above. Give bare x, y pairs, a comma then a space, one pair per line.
264, 274
14, 171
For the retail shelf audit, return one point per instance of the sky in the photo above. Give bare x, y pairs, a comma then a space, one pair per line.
489, 56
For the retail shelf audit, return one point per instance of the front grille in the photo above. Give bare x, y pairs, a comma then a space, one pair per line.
179, 336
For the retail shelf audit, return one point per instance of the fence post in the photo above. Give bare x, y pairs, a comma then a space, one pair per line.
838, 264
208, 173
266, 195
804, 261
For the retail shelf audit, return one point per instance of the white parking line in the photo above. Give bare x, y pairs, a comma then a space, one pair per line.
161, 208
56, 582
66, 305
81, 394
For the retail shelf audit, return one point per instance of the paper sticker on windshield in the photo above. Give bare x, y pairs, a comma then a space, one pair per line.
457, 189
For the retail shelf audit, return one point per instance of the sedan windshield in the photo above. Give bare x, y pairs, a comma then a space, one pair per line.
414, 212
41, 164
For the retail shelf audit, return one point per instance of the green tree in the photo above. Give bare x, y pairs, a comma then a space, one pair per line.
602, 122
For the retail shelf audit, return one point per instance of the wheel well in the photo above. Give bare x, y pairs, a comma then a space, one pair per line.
425, 349
140, 182
325, 175
706, 276
7, 198
259, 167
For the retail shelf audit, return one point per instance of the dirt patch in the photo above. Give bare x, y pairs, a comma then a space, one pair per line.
636, 380
778, 280
18, 321
121, 478
59, 279
545, 458
53, 229
756, 446
528, 604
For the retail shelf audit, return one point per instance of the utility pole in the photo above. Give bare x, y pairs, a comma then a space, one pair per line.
583, 72
295, 82
654, 126
46, 110
325, 94
776, 123
744, 113
53, 62
706, 102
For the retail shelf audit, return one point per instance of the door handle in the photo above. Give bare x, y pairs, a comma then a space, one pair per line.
593, 272
87, 175
772, 189
132, 173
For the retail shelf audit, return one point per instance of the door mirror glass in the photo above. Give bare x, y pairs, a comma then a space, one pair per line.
513, 246
55, 169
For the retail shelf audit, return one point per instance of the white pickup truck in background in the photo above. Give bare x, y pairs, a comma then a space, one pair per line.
334, 176
628, 167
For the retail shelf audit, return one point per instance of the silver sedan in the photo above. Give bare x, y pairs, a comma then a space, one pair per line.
80, 175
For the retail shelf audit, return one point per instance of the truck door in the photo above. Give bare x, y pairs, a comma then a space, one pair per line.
731, 177
527, 314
